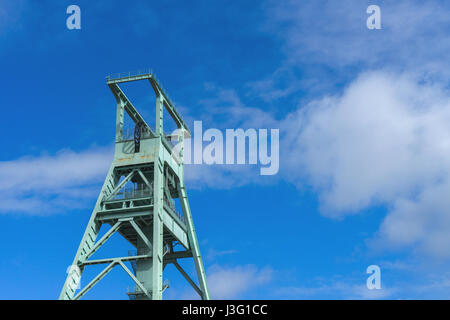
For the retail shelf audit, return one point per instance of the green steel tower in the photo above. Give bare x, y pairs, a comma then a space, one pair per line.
138, 201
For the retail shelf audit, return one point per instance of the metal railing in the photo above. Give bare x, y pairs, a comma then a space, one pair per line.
128, 134
144, 72
138, 290
133, 194
130, 74
171, 204
145, 193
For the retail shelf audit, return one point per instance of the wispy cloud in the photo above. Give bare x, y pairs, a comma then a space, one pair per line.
213, 254
281, 83
335, 34
384, 141
335, 290
326, 44
336, 287
52, 183
234, 282
223, 108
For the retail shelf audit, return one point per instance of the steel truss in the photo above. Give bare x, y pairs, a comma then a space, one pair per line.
144, 215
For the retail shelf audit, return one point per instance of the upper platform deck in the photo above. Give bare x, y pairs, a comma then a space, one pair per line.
114, 79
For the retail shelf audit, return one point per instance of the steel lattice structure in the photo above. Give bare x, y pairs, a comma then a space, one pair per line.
146, 215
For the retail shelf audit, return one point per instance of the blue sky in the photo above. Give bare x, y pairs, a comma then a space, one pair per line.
364, 141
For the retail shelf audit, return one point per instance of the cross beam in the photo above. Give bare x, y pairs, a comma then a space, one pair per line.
113, 84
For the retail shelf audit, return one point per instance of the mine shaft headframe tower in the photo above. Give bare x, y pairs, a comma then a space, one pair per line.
145, 215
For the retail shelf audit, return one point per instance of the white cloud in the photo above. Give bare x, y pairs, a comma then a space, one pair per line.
230, 282
413, 34
233, 282
384, 141
213, 254
326, 44
384, 138
423, 222
53, 183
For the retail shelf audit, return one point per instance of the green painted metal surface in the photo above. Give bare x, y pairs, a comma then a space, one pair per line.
145, 215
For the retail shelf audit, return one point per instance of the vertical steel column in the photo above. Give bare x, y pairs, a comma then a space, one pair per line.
158, 206
119, 120
144, 268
